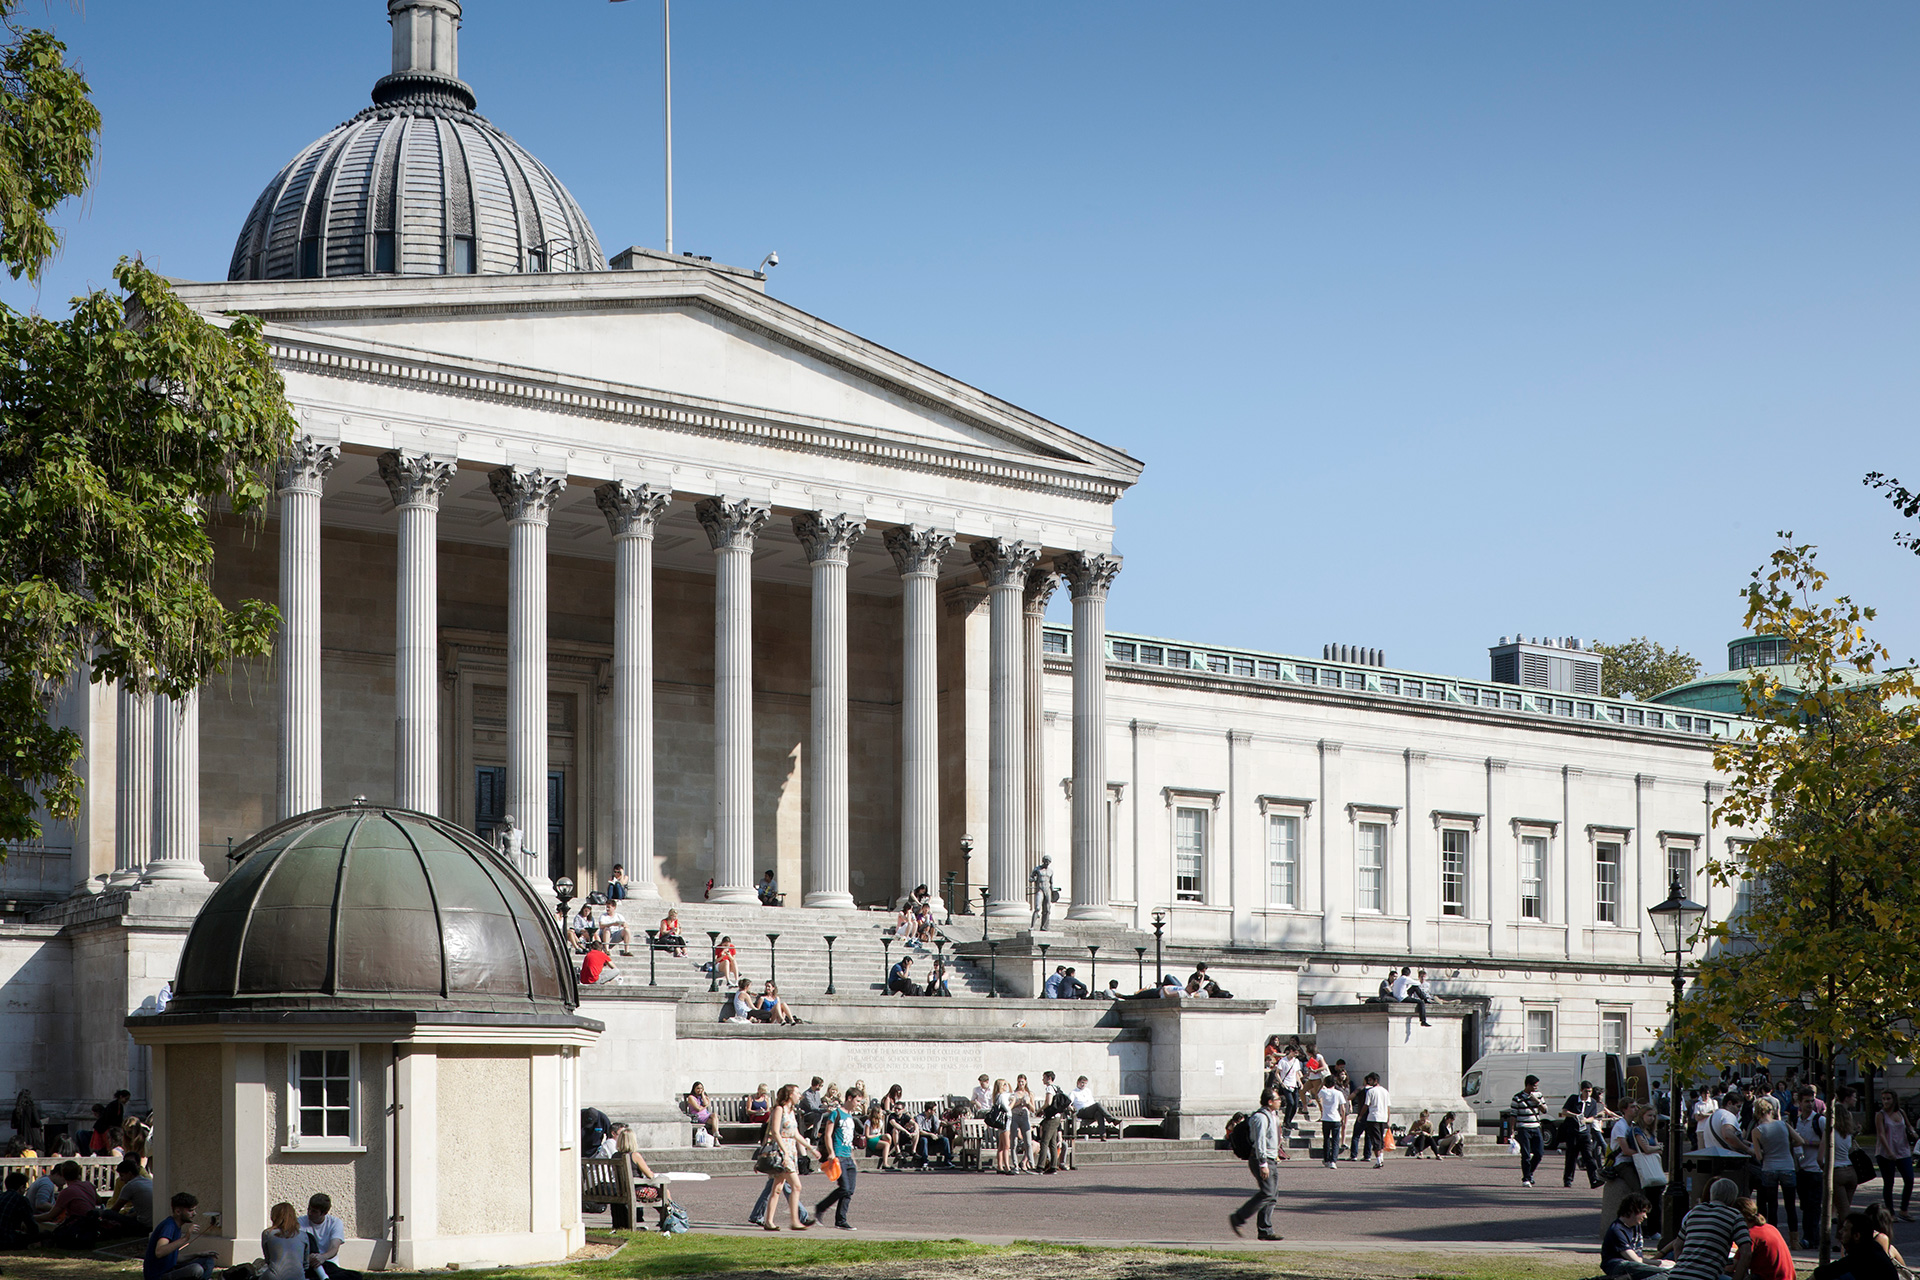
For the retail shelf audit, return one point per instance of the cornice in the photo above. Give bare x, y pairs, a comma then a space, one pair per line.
662, 411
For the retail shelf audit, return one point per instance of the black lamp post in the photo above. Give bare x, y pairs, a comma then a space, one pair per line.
651, 935
828, 939
948, 895
1139, 967
993, 977
563, 891
773, 958
966, 879
986, 921
713, 944
1677, 924
886, 964
1093, 970
1159, 923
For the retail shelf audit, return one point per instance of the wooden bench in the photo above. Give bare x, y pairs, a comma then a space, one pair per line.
610, 1180
730, 1115
1129, 1115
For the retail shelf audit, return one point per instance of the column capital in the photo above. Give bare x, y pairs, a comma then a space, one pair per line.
304, 466
917, 549
731, 523
828, 538
1004, 562
416, 479
1039, 589
632, 510
527, 494
1088, 574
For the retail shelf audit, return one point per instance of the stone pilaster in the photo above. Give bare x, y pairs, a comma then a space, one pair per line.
828, 539
1034, 598
632, 511
176, 782
1004, 564
731, 527
301, 478
416, 481
527, 496
133, 766
1088, 578
917, 553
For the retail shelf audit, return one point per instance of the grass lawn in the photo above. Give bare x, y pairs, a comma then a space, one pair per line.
655, 1257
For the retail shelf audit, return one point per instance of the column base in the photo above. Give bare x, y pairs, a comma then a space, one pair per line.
191, 872
1098, 913
831, 901
734, 897
1005, 910
123, 879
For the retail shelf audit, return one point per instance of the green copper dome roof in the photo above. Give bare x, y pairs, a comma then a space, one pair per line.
369, 908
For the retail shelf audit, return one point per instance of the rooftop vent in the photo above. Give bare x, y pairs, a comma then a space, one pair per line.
1566, 664
1353, 653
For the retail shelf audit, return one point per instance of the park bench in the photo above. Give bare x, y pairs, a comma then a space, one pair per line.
610, 1180
1128, 1116
731, 1115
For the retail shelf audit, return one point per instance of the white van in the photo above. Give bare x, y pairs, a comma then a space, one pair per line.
1489, 1085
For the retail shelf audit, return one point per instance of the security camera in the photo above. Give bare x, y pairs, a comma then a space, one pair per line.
771, 260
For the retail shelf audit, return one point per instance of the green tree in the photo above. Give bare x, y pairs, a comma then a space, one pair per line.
1828, 952
1640, 668
121, 427
1905, 500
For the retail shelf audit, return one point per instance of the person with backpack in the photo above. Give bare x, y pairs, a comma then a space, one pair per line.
1257, 1141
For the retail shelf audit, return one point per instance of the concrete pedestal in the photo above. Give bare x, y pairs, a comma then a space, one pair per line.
1420, 1066
1205, 1063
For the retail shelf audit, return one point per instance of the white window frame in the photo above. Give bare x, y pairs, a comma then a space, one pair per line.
1623, 1018
1606, 889
1528, 1015
297, 1141
1466, 826
1684, 845
1536, 850
1360, 869
569, 1092
1207, 804
1544, 830
1279, 812
1386, 817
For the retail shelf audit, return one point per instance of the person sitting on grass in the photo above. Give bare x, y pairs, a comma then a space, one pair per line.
1623, 1250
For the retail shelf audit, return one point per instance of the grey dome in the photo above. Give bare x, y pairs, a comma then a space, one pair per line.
371, 908
417, 184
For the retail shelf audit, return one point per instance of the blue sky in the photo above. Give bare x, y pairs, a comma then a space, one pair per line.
1430, 323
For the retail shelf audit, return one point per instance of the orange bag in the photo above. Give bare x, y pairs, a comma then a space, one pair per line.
1387, 1143
831, 1167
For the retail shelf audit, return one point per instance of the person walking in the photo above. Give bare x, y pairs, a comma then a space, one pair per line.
1773, 1146
1529, 1111
1894, 1152
1286, 1076
1581, 1119
1264, 1164
1333, 1115
783, 1127
1809, 1184
837, 1144
1379, 1116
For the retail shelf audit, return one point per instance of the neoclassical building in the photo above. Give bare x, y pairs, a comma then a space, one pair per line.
681, 578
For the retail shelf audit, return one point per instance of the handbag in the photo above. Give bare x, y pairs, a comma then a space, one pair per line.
1647, 1165
830, 1167
1863, 1169
767, 1158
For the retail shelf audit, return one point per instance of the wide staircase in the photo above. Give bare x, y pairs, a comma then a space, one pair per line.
862, 952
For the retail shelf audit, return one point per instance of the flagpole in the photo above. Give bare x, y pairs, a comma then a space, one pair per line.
666, 55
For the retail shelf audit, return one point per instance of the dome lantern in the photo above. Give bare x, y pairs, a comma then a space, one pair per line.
417, 184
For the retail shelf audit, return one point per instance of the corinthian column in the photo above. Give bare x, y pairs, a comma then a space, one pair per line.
1038, 591
416, 481
176, 807
632, 512
302, 475
1088, 577
917, 553
133, 763
828, 538
1005, 565
526, 497
731, 527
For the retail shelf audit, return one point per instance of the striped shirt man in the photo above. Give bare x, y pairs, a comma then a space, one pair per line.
1528, 1108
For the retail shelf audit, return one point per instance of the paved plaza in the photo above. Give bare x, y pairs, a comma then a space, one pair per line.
1471, 1204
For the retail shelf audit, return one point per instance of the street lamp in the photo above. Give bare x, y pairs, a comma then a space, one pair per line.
1676, 922
966, 880
1159, 923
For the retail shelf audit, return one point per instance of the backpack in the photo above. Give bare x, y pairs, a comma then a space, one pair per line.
1240, 1136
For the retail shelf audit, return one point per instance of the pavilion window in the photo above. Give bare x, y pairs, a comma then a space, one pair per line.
383, 252
463, 263
322, 1084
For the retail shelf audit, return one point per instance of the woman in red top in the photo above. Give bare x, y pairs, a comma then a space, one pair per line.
724, 954
1770, 1259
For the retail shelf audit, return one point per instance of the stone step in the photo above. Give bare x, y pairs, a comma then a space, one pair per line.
738, 1158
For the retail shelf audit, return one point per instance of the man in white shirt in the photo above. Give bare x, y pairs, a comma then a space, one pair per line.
1087, 1108
613, 928
983, 1096
328, 1235
1379, 1112
1051, 991
1333, 1118
1286, 1074
1405, 989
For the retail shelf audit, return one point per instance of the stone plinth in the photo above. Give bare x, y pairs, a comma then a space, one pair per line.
1205, 1063
1420, 1066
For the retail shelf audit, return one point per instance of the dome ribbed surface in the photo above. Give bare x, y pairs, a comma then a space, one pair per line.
365, 907
416, 185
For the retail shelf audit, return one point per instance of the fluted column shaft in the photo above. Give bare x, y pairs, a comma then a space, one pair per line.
731, 526
176, 784
632, 511
1034, 598
302, 476
416, 481
527, 496
1005, 565
133, 768
828, 539
1088, 577
917, 553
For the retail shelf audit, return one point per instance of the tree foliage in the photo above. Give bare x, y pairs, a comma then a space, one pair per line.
121, 427
1828, 953
1905, 500
1640, 668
